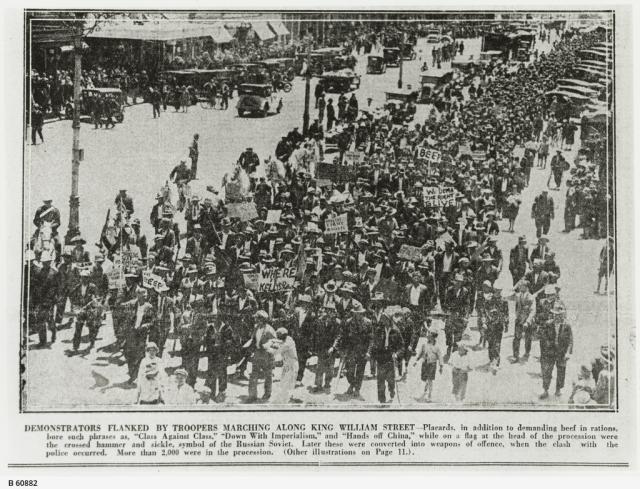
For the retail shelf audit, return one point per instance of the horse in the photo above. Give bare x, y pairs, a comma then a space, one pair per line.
44, 240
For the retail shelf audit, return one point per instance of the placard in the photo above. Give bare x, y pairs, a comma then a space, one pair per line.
336, 225
431, 156
411, 253
115, 276
353, 158
271, 279
245, 211
273, 216
439, 196
152, 281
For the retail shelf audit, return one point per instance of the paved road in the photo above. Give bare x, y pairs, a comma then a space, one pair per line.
138, 156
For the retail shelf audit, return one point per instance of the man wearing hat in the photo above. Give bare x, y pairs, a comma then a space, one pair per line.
47, 213
495, 313
518, 259
541, 250
249, 161
43, 298
525, 308
218, 342
353, 343
603, 370
87, 308
457, 305
536, 277
67, 279
305, 327
325, 345
124, 202
139, 316
166, 310
262, 356
181, 394
556, 346
542, 212
151, 378
385, 348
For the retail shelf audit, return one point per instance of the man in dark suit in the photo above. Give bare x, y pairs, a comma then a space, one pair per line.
262, 359
457, 305
353, 342
326, 334
84, 300
536, 277
445, 263
218, 344
386, 346
556, 346
542, 212
541, 250
518, 260
140, 315
43, 298
304, 331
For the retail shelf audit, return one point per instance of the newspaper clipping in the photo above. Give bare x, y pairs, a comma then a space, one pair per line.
327, 238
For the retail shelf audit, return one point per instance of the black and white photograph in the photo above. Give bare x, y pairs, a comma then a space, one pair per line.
318, 210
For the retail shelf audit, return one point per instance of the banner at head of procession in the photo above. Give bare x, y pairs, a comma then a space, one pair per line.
272, 279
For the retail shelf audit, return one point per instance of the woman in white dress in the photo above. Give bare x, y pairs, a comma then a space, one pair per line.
285, 345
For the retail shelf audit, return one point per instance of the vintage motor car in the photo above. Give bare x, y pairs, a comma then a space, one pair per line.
113, 96
391, 56
340, 81
257, 99
375, 65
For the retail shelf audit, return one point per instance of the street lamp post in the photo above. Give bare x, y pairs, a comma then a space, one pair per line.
400, 62
307, 90
73, 228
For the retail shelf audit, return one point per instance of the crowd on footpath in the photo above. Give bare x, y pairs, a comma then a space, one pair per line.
361, 267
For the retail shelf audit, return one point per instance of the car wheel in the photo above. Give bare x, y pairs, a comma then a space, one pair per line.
265, 110
68, 112
120, 117
240, 113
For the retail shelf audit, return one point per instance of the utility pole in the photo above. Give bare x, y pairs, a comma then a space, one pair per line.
307, 90
400, 63
73, 228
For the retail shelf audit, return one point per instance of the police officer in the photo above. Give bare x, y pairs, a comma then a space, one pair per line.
457, 306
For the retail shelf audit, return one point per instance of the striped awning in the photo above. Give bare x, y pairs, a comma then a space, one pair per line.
279, 28
262, 29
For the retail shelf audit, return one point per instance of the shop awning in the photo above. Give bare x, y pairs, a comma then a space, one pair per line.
162, 31
279, 28
221, 35
262, 29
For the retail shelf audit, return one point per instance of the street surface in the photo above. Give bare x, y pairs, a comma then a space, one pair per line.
138, 156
